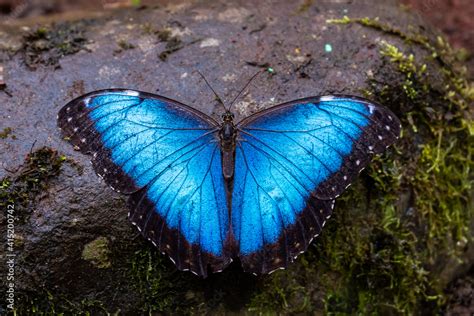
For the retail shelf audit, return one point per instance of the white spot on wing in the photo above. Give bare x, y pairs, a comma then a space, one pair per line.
326, 98
371, 108
131, 93
380, 137
69, 119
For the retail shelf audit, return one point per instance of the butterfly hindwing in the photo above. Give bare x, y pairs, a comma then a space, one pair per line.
291, 162
165, 155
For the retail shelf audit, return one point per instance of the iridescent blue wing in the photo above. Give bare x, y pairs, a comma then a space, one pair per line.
291, 162
165, 155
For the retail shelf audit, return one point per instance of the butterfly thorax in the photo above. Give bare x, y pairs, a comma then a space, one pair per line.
227, 135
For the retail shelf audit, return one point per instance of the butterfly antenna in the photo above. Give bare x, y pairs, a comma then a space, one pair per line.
217, 97
245, 87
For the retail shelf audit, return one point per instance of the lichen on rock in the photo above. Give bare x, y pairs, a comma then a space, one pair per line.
97, 252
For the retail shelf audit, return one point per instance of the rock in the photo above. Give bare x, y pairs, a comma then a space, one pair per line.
400, 234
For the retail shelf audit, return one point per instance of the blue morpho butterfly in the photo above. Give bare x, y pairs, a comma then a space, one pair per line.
206, 192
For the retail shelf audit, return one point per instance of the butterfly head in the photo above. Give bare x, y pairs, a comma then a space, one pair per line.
228, 117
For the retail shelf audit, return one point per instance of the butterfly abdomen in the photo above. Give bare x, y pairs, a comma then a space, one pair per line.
227, 135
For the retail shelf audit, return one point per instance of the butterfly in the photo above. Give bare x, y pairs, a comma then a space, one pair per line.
206, 192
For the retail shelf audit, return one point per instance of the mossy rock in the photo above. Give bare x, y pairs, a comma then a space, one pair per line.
97, 252
399, 235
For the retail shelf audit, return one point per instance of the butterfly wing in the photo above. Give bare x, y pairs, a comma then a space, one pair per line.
165, 155
291, 162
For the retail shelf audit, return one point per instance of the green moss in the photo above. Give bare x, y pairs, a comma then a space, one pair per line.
97, 252
168, 291
412, 73
377, 25
160, 285
305, 6
148, 29
123, 45
7, 131
43, 302
47, 45
173, 43
30, 180
164, 35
